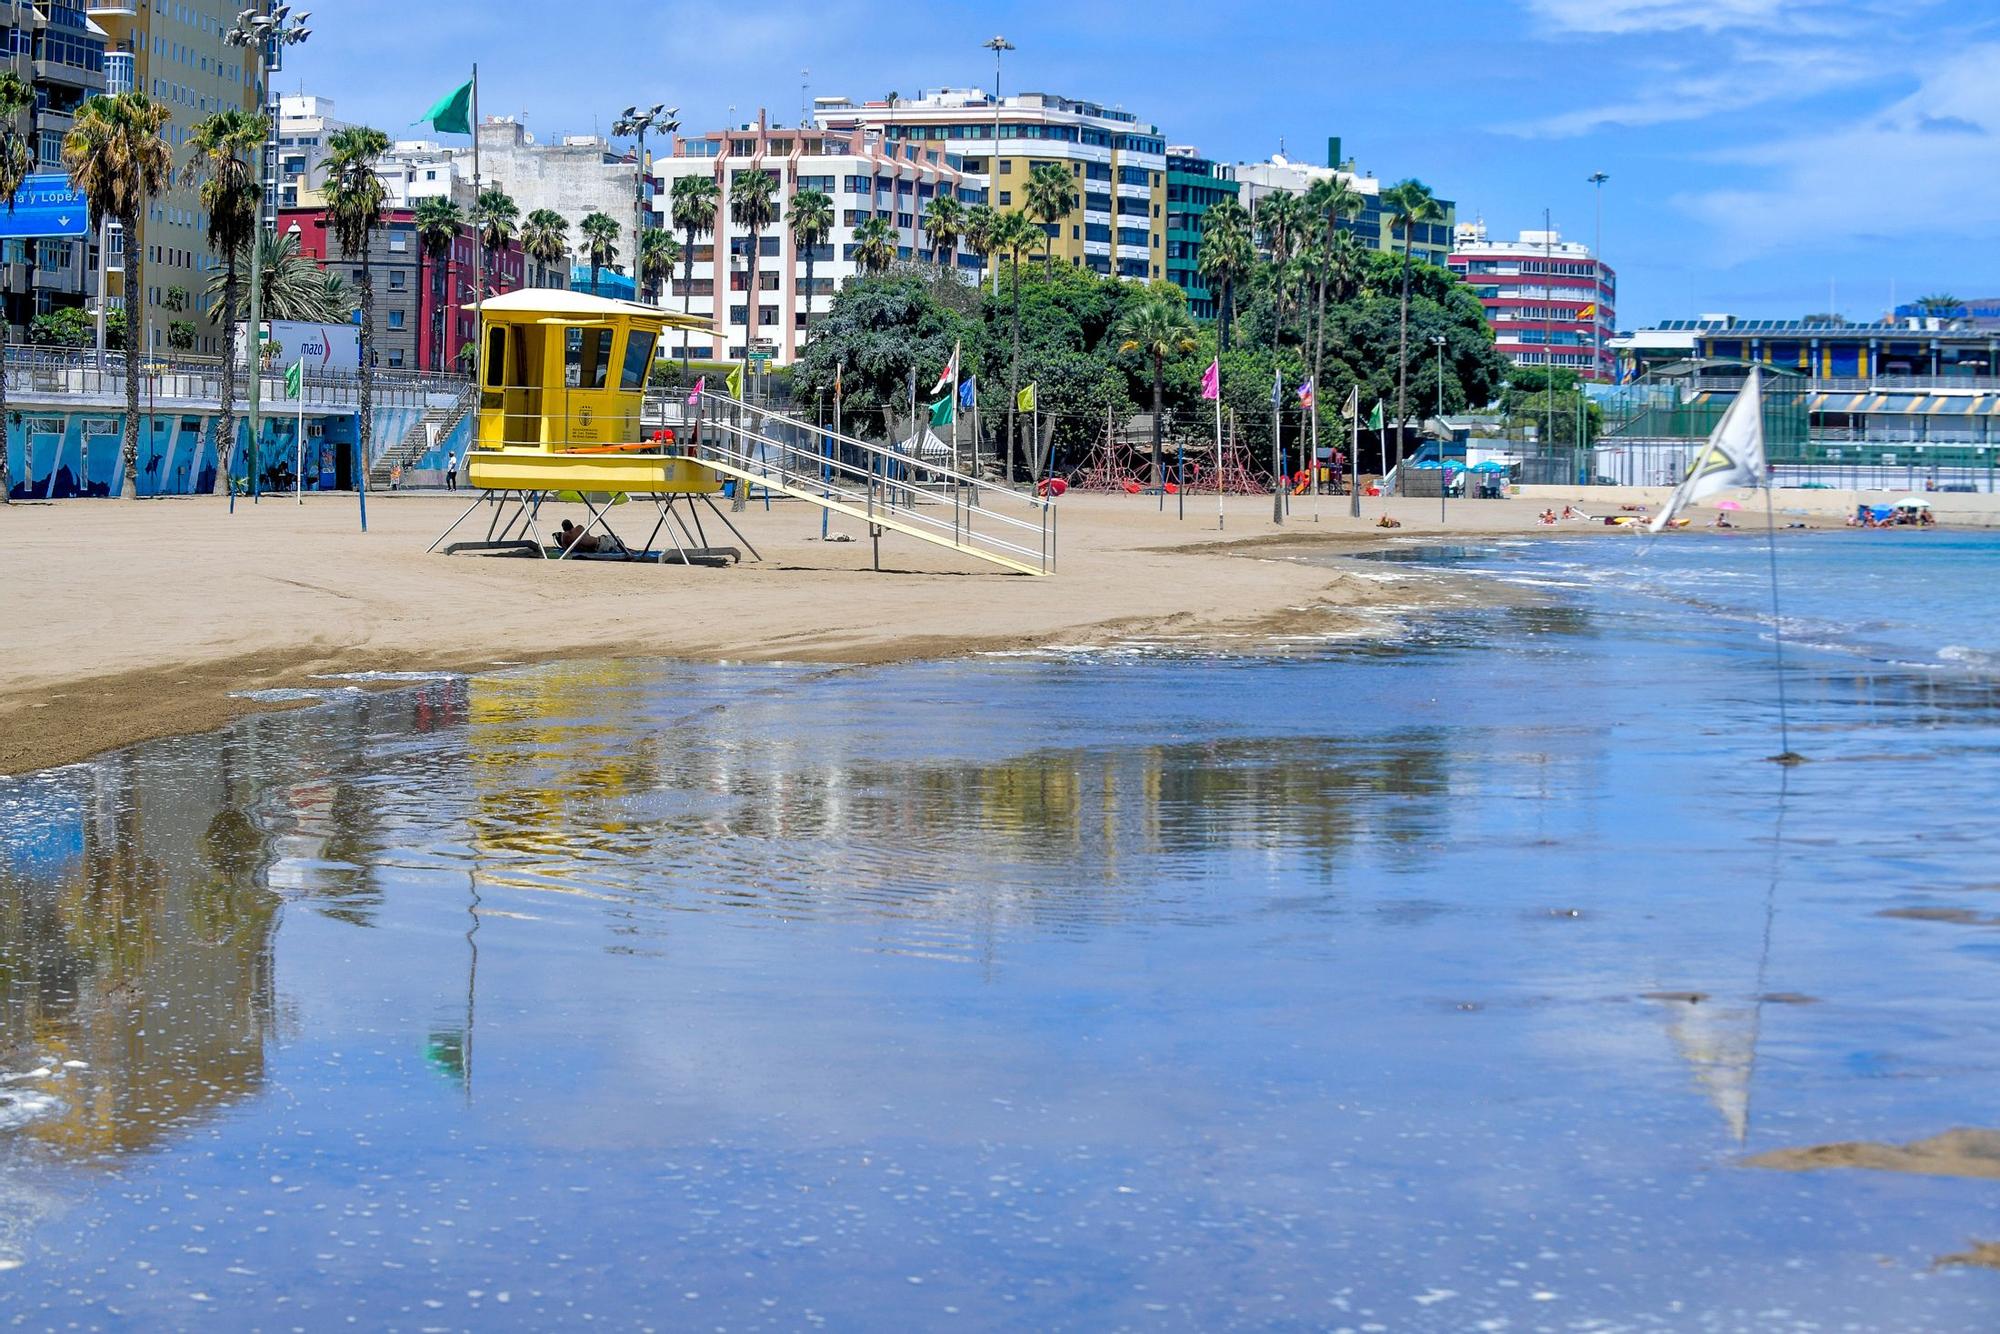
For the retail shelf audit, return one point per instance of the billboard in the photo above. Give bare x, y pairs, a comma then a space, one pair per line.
46, 205
328, 349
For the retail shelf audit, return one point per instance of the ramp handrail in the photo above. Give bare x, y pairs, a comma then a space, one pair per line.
885, 485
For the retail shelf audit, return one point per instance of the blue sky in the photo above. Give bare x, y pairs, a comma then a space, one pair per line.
1766, 156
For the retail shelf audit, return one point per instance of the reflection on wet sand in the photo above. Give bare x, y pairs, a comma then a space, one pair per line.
135, 956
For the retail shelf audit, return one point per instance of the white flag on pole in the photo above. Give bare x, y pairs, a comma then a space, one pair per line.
1733, 456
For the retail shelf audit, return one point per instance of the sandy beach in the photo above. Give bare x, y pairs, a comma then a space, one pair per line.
132, 621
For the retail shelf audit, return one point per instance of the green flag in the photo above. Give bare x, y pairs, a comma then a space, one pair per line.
733, 382
943, 411
1025, 402
1375, 417
295, 379
453, 112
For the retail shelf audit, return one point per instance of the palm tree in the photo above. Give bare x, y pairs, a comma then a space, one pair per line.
354, 194
1050, 196
221, 153
498, 219
118, 159
753, 206
944, 223
1329, 199
438, 221
1410, 205
977, 232
1280, 217
811, 224
695, 199
545, 236
1226, 259
1157, 328
1014, 233
16, 162
658, 253
1939, 303
874, 245
600, 243
291, 287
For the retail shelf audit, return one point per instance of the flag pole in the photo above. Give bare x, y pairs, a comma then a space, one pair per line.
1785, 755
1220, 518
1277, 449
1354, 458
956, 347
478, 246
299, 441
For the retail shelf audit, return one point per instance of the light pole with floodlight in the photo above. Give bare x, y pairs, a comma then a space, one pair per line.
998, 45
635, 124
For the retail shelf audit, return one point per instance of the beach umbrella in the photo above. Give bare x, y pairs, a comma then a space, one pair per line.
1913, 503
1728, 505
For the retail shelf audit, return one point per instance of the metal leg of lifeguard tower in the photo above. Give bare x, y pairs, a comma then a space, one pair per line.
754, 555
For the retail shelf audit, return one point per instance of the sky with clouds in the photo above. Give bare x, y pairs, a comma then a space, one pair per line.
1767, 157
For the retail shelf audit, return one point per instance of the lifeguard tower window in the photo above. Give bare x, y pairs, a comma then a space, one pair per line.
638, 360
586, 357
496, 357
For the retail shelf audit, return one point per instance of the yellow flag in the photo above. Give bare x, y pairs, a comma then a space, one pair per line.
734, 382
1587, 313
1025, 400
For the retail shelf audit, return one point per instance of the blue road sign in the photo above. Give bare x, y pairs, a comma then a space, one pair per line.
46, 205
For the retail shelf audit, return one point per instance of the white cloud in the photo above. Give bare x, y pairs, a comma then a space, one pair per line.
1743, 77
1794, 17
1921, 166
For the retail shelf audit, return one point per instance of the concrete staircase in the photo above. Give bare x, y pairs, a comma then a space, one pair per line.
438, 421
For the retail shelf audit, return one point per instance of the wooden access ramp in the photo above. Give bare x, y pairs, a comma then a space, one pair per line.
887, 489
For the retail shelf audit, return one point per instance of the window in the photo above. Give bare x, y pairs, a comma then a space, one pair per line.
396, 279
1006, 197
638, 360
586, 357
1006, 166
496, 355
396, 356
395, 320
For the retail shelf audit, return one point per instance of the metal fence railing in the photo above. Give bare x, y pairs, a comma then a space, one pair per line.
66, 375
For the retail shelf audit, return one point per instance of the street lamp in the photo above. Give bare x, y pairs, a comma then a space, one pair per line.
1597, 178
263, 35
998, 45
1444, 474
636, 123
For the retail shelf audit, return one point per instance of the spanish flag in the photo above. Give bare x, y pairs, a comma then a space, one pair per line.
1587, 313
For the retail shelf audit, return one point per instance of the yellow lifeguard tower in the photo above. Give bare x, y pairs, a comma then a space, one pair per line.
562, 381
562, 390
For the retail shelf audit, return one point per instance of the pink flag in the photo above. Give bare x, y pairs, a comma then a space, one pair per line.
1211, 380
694, 399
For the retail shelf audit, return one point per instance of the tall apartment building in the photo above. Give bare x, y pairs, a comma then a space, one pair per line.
1195, 184
1118, 162
305, 123
174, 50
56, 52
1550, 301
864, 172
1430, 242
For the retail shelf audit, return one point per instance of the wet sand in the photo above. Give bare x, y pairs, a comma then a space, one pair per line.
126, 622
1955, 1153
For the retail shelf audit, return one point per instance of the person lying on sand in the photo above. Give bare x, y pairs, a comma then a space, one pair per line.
572, 538
1386, 522
1547, 519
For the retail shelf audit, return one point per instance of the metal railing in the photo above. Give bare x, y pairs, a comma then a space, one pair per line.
68, 373
886, 486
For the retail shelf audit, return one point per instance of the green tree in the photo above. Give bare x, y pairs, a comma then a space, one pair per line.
222, 156
1409, 205
694, 203
438, 221
498, 219
978, 234
292, 286
1227, 258
354, 195
1280, 220
1050, 197
545, 238
1940, 304
879, 332
753, 206
72, 326
1329, 199
658, 253
118, 158
1014, 233
944, 223
811, 224
874, 245
600, 244
1158, 329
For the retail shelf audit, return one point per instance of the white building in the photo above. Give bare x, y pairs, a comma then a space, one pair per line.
1551, 302
305, 122
576, 176
1432, 242
861, 171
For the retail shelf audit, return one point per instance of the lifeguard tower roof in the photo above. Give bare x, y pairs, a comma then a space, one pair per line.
559, 302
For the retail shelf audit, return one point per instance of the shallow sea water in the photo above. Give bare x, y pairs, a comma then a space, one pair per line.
1345, 988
